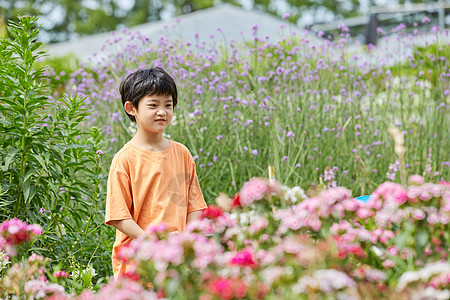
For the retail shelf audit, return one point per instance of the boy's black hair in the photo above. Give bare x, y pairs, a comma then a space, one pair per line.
147, 82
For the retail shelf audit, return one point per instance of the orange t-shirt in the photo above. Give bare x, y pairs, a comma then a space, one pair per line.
151, 188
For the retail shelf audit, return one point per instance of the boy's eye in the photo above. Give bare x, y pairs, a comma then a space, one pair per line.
169, 105
152, 105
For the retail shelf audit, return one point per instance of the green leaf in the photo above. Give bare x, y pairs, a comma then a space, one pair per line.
422, 238
28, 174
41, 161
9, 158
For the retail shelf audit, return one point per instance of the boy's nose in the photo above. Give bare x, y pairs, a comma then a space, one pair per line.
161, 113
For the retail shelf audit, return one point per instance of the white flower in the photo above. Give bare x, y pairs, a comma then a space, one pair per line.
90, 270
293, 194
406, 279
431, 294
432, 269
424, 274
4, 261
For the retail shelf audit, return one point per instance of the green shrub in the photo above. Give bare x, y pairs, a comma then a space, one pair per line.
50, 171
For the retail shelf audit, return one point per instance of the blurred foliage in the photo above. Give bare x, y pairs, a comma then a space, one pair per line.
64, 19
58, 70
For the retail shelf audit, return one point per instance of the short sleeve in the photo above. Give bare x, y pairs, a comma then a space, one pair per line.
118, 197
195, 197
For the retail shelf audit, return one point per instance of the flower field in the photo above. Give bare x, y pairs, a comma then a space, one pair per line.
312, 108
335, 120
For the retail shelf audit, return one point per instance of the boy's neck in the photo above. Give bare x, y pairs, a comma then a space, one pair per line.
150, 142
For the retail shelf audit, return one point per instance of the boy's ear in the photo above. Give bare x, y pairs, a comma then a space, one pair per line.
129, 108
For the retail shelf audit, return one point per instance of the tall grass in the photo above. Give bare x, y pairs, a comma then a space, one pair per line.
316, 110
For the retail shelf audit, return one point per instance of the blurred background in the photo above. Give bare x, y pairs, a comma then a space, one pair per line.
64, 20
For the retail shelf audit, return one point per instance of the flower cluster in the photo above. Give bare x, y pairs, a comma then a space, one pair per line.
242, 252
298, 247
13, 232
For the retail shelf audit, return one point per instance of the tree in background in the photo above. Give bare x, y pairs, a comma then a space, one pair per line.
65, 19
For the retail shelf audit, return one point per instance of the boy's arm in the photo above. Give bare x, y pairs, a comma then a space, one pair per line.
194, 215
128, 227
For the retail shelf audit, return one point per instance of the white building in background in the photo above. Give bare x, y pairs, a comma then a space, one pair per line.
234, 23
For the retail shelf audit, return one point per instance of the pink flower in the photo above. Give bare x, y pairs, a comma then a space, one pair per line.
418, 214
363, 212
413, 193
392, 250
425, 195
389, 191
416, 179
386, 235
388, 263
15, 231
253, 190
156, 228
258, 225
35, 257
350, 204
35, 229
243, 259
60, 274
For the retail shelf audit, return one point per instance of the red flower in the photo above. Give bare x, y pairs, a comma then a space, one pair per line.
236, 201
212, 212
228, 288
358, 251
131, 275
222, 287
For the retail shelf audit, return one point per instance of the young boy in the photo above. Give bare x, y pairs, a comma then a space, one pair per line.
152, 179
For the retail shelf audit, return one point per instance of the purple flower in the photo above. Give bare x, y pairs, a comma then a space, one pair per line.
285, 158
286, 16
255, 152
435, 29
219, 137
426, 20
290, 134
215, 158
343, 28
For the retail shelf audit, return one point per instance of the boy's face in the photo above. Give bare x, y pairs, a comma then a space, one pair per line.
153, 114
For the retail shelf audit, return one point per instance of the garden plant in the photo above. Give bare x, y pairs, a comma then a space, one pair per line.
335, 124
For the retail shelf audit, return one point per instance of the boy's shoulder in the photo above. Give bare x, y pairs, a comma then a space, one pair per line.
122, 155
179, 146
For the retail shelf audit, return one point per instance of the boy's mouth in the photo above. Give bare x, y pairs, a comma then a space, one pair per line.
160, 120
